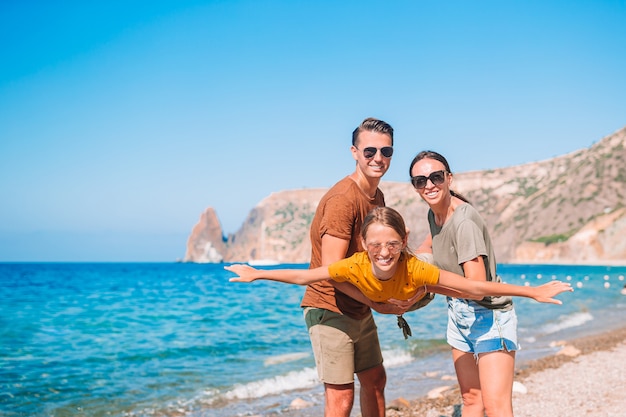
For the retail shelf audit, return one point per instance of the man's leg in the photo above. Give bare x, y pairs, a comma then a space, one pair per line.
369, 368
333, 349
339, 400
372, 394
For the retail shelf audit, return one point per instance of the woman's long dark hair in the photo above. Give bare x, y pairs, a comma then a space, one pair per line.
437, 157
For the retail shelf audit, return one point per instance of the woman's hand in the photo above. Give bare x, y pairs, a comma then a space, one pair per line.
546, 292
246, 272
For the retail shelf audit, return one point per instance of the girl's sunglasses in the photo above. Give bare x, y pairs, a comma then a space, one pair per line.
437, 178
392, 247
370, 151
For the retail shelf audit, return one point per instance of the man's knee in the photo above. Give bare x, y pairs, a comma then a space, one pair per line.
374, 378
339, 399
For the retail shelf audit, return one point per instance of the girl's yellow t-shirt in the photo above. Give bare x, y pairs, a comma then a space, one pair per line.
410, 275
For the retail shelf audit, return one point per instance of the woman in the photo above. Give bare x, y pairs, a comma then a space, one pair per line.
482, 333
388, 270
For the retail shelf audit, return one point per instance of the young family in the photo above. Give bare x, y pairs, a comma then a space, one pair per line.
360, 260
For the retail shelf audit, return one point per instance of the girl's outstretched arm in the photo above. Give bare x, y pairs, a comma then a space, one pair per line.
290, 276
543, 293
451, 292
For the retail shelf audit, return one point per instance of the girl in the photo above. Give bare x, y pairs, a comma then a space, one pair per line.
388, 270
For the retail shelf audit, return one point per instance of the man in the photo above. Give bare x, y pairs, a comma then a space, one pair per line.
342, 330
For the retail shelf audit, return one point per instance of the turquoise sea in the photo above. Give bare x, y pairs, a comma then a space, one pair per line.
172, 339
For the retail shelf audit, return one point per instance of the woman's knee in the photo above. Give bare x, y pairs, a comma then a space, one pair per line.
472, 399
498, 407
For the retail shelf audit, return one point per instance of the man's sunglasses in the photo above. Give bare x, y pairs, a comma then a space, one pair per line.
437, 178
370, 151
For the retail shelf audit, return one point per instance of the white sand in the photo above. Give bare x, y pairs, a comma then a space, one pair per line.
591, 385
586, 378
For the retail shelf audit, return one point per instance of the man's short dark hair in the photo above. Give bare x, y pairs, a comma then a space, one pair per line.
372, 125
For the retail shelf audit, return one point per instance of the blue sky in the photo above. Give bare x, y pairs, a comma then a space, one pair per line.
120, 122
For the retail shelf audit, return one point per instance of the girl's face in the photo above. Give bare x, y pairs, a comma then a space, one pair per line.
433, 170
384, 246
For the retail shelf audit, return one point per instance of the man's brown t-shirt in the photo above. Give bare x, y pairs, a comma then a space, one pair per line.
340, 213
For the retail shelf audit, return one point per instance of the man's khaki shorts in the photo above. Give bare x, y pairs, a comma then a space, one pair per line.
342, 346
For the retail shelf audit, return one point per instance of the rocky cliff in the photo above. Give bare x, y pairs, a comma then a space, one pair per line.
569, 209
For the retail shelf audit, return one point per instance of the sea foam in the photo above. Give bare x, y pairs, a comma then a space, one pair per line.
396, 357
302, 379
305, 378
288, 357
567, 322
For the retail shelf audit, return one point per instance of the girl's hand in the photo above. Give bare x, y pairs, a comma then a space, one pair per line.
546, 292
246, 272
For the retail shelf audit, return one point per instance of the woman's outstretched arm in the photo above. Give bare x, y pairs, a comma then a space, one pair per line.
290, 276
543, 293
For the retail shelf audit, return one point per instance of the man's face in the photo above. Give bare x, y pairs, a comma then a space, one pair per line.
376, 165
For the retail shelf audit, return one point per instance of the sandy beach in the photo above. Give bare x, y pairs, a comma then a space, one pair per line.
584, 378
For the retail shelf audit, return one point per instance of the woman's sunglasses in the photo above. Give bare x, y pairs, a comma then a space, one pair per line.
437, 178
370, 151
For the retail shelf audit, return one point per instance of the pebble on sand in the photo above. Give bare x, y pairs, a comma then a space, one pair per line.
299, 403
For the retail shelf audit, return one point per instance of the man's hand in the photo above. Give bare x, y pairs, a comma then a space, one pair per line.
387, 308
398, 307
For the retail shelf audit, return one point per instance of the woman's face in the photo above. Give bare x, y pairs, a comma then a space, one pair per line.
434, 191
384, 246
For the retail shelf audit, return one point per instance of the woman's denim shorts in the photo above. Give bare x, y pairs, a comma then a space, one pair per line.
477, 329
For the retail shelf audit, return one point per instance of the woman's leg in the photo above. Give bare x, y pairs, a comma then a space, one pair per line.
496, 371
469, 383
